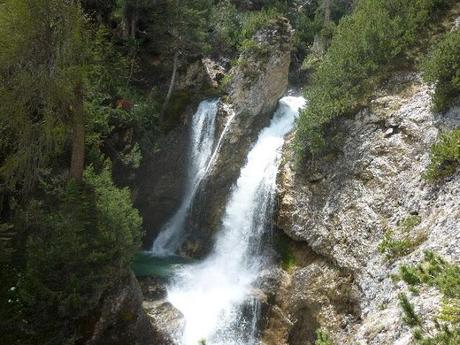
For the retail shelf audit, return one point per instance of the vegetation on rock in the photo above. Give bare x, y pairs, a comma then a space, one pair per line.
435, 272
369, 43
323, 338
445, 156
442, 68
89, 85
402, 241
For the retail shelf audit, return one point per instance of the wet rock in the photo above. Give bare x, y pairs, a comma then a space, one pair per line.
159, 182
201, 75
121, 319
167, 321
153, 288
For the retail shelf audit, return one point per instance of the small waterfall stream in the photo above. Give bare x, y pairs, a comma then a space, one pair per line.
215, 294
202, 153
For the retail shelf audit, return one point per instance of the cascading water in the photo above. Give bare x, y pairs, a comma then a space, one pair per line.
215, 295
201, 150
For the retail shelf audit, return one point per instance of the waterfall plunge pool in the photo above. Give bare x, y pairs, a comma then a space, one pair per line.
147, 265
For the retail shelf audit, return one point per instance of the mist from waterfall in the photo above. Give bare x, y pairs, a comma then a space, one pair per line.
201, 150
215, 295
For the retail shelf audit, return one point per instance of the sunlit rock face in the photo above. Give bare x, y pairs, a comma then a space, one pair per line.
369, 181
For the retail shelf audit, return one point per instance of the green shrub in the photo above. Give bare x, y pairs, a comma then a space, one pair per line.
442, 68
323, 337
232, 30
255, 21
225, 26
410, 317
435, 272
445, 156
409, 275
410, 222
365, 46
401, 242
395, 248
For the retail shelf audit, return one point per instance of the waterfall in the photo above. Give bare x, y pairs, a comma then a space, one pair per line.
202, 153
215, 295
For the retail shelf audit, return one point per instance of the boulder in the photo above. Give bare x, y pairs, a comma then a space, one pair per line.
121, 319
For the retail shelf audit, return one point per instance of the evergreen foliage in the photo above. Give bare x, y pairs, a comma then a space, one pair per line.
436, 272
41, 64
402, 241
442, 68
410, 317
322, 337
445, 156
365, 46
83, 238
63, 243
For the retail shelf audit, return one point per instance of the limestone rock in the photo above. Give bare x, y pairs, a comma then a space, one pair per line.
316, 295
201, 74
371, 181
166, 320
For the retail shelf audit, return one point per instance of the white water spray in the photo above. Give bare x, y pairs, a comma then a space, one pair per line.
215, 295
201, 156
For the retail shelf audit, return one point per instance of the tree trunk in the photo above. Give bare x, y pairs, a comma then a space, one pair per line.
78, 138
171, 86
134, 19
327, 11
125, 22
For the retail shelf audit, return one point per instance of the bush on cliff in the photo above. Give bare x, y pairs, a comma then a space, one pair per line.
442, 68
435, 272
445, 156
365, 46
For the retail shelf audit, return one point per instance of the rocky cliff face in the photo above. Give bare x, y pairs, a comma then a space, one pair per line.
158, 183
341, 206
258, 81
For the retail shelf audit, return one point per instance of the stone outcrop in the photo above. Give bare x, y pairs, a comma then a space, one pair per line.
259, 80
344, 202
121, 319
167, 321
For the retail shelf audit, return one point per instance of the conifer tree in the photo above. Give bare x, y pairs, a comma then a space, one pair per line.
42, 60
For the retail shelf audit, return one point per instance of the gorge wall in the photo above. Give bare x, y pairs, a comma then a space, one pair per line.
339, 209
334, 212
